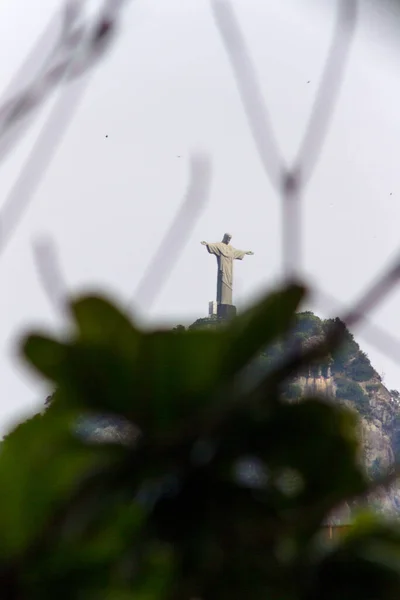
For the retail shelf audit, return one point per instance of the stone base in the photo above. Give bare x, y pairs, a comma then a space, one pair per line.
226, 311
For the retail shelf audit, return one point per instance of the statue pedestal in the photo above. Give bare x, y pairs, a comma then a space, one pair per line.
226, 311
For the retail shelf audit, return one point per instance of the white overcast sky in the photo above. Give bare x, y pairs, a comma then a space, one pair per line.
166, 89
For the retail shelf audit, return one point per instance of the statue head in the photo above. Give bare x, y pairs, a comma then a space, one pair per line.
227, 238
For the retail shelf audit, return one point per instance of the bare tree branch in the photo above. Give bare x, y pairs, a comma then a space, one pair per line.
292, 226
73, 54
289, 181
50, 273
249, 90
376, 293
38, 161
374, 335
321, 114
179, 232
77, 48
32, 69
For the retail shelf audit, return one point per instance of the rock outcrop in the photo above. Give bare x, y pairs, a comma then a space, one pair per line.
349, 379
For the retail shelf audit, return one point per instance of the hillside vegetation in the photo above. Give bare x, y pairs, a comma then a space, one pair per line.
347, 377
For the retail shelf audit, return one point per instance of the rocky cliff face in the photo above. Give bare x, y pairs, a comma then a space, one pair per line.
351, 381
377, 423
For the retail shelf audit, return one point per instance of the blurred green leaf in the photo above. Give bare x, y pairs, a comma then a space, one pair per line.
156, 377
315, 440
155, 573
41, 465
94, 561
260, 325
365, 565
177, 374
99, 321
87, 374
172, 375
202, 528
46, 355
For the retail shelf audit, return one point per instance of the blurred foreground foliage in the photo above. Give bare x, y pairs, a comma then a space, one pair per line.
221, 495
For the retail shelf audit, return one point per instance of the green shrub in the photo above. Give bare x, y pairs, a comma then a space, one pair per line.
372, 387
308, 324
360, 368
211, 322
347, 349
352, 391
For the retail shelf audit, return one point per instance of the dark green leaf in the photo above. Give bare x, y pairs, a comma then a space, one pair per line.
177, 373
41, 463
315, 440
99, 321
46, 355
366, 565
259, 326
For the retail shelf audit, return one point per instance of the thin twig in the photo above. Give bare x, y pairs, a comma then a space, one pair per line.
36, 63
292, 227
296, 360
374, 335
77, 49
321, 114
38, 161
178, 234
75, 63
377, 292
249, 89
50, 273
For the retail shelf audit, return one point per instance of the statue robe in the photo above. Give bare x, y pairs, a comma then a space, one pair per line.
225, 254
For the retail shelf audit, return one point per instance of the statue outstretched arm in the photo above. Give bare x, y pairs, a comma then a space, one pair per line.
213, 248
249, 252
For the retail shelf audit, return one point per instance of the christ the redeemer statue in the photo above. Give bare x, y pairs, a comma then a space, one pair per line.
225, 254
